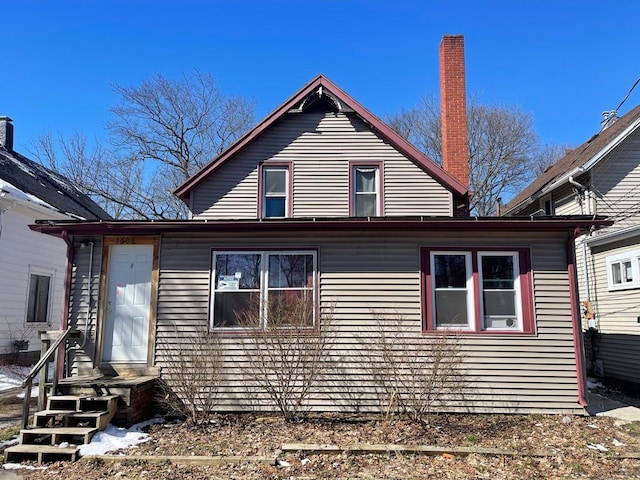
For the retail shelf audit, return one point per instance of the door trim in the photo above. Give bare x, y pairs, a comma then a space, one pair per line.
107, 243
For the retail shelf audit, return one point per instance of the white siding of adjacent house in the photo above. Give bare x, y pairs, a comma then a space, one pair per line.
23, 252
320, 146
509, 373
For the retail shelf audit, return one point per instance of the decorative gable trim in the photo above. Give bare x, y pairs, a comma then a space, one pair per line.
322, 86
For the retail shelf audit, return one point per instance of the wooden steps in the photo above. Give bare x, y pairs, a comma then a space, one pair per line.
67, 422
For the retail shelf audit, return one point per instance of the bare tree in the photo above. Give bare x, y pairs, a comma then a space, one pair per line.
161, 132
414, 375
191, 375
288, 356
504, 150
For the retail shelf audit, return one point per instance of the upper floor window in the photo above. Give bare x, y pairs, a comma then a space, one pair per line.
274, 194
475, 290
623, 270
365, 190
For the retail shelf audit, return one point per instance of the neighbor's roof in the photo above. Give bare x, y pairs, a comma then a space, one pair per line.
580, 156
28, 180
322, 84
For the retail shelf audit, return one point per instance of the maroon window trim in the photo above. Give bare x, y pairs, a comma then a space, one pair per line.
525, 282
289, 192
352, 191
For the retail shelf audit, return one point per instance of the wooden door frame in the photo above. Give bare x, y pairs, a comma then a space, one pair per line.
108, 242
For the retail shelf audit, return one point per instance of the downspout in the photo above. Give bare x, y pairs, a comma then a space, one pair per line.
581, 374
65, 310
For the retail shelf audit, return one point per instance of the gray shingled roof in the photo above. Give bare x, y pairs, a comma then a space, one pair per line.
576, 157
50, 187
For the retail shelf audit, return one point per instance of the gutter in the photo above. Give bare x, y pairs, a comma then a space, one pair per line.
566, 178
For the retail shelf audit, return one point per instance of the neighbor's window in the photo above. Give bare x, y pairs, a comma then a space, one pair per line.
38, 300
623, 270
242, 280
546, 204
365, 190
274, 194
478, 290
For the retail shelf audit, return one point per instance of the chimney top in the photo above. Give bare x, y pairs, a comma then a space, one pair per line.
453, 108
6, 133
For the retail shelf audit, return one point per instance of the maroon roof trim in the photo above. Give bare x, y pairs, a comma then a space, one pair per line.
470, 224
421, 160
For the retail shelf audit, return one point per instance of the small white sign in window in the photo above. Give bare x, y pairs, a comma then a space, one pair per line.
228, 282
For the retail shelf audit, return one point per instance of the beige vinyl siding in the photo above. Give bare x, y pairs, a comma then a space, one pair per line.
320, 146
616, 183
80, 304
618, 341
616, 188
618, 310
510, 373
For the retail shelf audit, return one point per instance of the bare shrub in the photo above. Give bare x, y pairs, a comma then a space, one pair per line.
191, 375
414, 375
286, 353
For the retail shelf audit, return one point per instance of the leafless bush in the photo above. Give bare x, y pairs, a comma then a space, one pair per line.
191, 375
414, 375
286, 351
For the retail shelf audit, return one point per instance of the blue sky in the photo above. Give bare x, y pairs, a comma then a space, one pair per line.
563, 61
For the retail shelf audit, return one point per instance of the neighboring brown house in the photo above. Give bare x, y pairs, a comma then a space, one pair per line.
601, 177
374, 228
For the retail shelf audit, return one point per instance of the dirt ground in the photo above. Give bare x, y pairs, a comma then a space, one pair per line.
577, 447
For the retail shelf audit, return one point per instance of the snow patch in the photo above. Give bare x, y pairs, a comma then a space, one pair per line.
115, 438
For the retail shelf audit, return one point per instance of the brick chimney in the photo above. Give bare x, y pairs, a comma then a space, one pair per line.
453, 108
6, 133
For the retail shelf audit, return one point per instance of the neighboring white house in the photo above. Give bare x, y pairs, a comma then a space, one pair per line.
601, 177
32, 266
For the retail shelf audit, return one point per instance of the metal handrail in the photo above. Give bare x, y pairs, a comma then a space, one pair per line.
27, 383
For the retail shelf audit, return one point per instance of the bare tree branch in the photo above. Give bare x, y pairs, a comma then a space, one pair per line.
161, 132
504, 150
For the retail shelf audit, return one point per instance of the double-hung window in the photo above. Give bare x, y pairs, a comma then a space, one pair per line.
478, 290
623, 270
452, 289
365, 190
267, 283
38, 298
274, 191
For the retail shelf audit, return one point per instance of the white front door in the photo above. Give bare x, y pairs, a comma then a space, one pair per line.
128, 303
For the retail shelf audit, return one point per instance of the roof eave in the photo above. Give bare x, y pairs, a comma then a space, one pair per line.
468, 224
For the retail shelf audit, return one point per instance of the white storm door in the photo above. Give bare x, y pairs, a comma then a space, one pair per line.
128, 303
